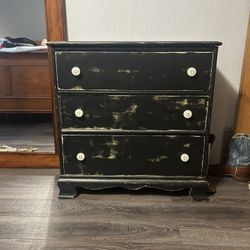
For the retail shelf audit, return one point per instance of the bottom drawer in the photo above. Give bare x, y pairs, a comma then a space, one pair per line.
160, 155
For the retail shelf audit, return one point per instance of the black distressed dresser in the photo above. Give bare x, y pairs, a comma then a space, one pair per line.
133, 114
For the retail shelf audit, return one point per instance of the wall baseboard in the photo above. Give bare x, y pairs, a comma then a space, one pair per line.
29, 160
238, 173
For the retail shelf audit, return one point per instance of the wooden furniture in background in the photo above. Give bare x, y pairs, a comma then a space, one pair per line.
55, 22
242, 124
24, 83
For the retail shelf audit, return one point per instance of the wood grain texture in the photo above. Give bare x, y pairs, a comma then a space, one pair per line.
56, 31
5, 81
31, 81
28, 160
242, 124
33, 105
55, 20
238, 173
31, 58
55, 15
31, 216
25, 75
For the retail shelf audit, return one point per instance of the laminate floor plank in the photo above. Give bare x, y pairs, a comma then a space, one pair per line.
32, 217
100, 245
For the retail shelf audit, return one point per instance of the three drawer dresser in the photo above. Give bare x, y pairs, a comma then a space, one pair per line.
133, 114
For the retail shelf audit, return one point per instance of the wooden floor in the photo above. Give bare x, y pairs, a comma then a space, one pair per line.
31, 217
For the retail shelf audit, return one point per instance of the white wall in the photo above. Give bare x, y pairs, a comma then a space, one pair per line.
131, 20
22, 18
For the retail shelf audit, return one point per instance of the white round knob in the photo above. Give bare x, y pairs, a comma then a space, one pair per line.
75, 71
80, 156
185, 157
191, 71
187, 114
79, 113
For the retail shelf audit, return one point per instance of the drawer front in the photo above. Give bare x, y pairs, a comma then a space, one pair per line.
100, 155
180, 71
132, 112
30, 81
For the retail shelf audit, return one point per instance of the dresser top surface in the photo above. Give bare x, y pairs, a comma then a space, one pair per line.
134, 44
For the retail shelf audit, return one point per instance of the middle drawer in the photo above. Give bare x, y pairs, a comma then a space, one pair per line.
103, 112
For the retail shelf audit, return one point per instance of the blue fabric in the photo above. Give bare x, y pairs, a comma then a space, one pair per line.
9, 42
4, 43
239, 150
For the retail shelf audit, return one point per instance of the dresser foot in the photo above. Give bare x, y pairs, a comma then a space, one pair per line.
199, 192
67, 190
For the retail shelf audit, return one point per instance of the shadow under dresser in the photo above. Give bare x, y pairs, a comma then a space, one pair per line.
134, 114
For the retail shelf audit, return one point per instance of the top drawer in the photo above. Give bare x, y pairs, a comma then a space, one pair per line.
131, 71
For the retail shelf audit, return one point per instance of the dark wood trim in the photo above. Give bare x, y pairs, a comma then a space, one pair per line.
25, 105
238, 173
242, 124
56, 31
28, 160
24, 59
55, 20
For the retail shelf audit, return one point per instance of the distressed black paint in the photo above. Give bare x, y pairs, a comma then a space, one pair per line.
133, 155
132, 112
134, 70
133, 95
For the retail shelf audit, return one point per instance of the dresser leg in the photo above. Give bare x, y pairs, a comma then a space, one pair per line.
199, 192
67, 190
